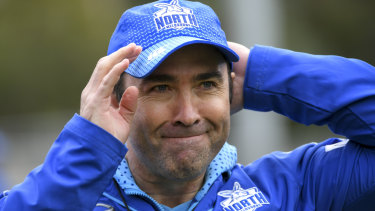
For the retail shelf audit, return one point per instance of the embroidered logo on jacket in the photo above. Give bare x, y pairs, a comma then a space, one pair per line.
174, 16
239, 199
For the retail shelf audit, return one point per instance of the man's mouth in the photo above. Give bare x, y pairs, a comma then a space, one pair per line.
183, 135
183, 132
179, 133
185, 140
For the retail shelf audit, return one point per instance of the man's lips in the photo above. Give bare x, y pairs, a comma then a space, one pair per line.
182, 132
184, 140
181, 135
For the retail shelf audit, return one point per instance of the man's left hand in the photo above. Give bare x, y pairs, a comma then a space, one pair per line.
239, 69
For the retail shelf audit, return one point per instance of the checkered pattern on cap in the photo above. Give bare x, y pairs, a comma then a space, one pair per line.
138, 25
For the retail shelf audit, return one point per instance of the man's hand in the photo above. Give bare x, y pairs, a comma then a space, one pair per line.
239, 68
98, 103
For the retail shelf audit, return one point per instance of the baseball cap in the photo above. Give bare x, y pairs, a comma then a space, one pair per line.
162, 27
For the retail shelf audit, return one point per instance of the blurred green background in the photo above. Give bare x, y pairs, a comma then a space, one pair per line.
48, 49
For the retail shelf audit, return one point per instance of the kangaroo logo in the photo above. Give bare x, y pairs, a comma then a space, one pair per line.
239, 199
173, 16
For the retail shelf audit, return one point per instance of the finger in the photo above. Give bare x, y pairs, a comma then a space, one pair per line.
137, 51
113, 76
122, 53
243, 52
109, 81
128, 103
105, 64
130, 52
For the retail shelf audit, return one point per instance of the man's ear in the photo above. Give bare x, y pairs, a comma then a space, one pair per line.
118, 91
233, 75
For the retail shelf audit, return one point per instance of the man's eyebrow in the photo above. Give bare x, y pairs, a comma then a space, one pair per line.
160, 78
210, 75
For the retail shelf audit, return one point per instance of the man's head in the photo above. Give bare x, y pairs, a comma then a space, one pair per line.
182, 118
183, 113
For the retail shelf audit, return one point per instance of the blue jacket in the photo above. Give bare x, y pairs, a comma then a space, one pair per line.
335, 174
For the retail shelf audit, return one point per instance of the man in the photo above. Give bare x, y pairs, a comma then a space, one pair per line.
171, 109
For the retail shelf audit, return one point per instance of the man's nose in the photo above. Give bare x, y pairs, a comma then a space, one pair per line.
186, 110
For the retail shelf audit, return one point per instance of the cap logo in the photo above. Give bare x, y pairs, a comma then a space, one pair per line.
173, 16
156, 53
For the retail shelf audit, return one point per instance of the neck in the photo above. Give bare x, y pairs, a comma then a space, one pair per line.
167, 191
170, 193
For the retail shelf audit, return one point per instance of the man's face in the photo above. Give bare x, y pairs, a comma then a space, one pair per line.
183, 114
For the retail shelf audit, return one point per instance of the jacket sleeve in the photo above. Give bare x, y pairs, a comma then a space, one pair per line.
77, 169
312, 89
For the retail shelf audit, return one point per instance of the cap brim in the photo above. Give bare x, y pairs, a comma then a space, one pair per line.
153, 56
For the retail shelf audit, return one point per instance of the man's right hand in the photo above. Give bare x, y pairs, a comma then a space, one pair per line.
98, 103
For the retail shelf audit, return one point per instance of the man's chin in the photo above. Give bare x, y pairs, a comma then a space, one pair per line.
187, 167
186, 173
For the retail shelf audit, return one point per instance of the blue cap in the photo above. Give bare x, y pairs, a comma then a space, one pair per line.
165, 26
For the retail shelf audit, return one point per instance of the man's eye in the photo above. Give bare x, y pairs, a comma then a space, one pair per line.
160, 88
208, 84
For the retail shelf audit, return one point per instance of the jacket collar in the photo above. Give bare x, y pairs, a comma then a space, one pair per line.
224, 161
